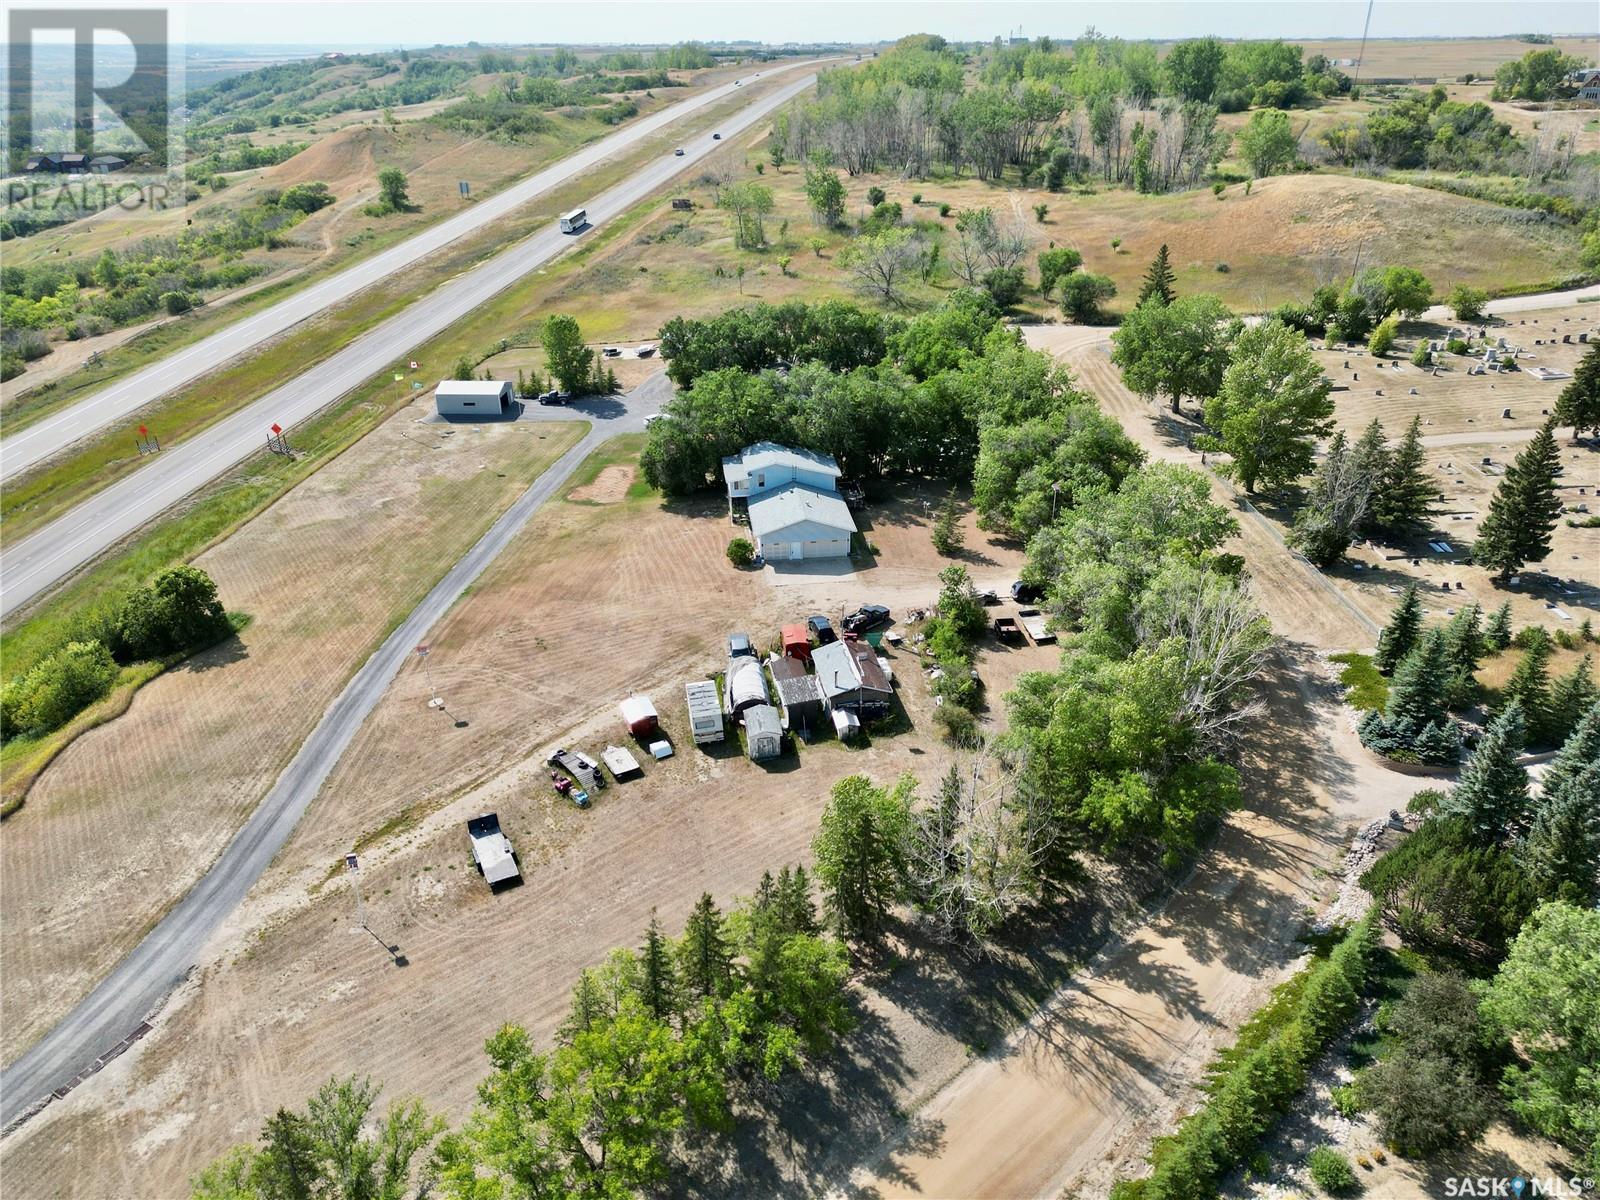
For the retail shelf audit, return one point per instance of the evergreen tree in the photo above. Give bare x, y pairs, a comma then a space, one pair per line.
1497, 633
1529, 686
1371, 464
1579, 402
1463, 643
860, 853
1581, 748
1562, 850
1400, 635
658, 983
1417, 694
1407, 495
705, 961
1491, 795
797, 912
1159, 281
590, 1006
1524, 509
1570, 697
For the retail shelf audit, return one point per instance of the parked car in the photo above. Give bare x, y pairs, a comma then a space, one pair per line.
611, 352
678, 153
653, 418
551, 398
1027, 593
865, 617
821, 628
645, 351
739, 645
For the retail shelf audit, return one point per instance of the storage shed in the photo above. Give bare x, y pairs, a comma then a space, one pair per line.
851, 679
797, 642
639, 715
800, 694
705, 712
763, 734
745, 685
474, 397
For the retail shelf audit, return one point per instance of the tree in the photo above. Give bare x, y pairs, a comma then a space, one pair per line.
1394, 290
1529, 686
1175, 349
748, 202
1463, 647
1543, 998
1537, 75
56, 689
879, 263
975, 233
1561, 851
1428, 1093
860, 853
1417, 693
1193, 68
741, 551
1337, 505
177, 610
1579, 402
569, 361
1406, 493
1083, 292
1524, 509
1267, 142
1570, 697
1056, 264
1272, 405
1467, 302
947, 533
1497, 633
1382, 339
1443, 890
1005, 285
658, 983
1491, 795
826, 196
1159, 282
1400, 635
392, 187
705, 958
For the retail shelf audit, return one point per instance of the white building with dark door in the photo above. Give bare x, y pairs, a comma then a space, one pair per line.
474, 397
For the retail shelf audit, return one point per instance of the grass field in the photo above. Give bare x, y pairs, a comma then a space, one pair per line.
134, 810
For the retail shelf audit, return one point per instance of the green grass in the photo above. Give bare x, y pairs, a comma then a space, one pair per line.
618, 451
1365, 688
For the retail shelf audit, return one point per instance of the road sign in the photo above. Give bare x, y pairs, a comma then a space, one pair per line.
277, 429
143, 431
465, 187
413, 364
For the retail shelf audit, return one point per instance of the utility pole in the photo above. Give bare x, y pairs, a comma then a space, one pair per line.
355, 884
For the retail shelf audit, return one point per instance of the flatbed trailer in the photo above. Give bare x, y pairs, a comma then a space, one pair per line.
491, 850
581, 767
1036, 625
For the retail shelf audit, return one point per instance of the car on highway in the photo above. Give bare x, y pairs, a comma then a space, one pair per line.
678, 153
716, 137
611, 352
865, 617
740, 646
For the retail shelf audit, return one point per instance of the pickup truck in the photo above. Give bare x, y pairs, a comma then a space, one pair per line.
491, 851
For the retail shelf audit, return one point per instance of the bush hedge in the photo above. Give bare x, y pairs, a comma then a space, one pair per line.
1254, 1081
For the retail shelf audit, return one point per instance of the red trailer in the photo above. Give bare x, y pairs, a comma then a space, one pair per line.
639, 715
797, 642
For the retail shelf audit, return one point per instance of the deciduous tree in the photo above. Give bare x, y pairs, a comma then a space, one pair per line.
1271, 407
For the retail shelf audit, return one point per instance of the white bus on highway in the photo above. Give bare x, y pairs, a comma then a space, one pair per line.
573, 221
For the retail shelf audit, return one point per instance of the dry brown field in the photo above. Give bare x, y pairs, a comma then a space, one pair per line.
1438, 58
132, 813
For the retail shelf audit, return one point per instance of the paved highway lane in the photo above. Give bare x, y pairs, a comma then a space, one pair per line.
32, 565
156, 965
94, 413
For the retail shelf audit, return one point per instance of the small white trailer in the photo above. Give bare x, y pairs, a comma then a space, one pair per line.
491, 851
705, 712
618, 761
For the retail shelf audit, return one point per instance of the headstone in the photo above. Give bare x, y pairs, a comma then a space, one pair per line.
1506, 413
1411, 391
1378, 392
1487, 460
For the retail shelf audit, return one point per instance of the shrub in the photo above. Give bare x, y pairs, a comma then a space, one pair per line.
876, 196
1332, 1171
1218, 188
741, 552
1041, 211
1457, 346
1467, 302
1382, 339
1004, 285
1420, 356
944, 210
1346, 1100
56, 689
957, 725
176, 303
916, 197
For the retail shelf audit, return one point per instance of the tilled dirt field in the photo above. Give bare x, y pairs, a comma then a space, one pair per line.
595, 599
131, 814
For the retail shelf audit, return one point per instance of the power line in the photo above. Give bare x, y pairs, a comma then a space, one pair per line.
1361, 61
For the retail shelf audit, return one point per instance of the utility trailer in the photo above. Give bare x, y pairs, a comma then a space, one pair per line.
1036, 625
1006, 629
491, 851
581, 767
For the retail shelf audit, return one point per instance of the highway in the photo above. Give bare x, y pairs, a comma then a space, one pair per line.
158, 963
32, 565
54, 433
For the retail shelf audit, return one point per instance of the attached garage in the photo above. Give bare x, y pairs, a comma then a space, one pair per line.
798, 523
474, 397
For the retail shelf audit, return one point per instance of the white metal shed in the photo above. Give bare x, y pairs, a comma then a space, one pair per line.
763, 734
474, 397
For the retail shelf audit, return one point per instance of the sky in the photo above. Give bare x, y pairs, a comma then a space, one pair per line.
331, 23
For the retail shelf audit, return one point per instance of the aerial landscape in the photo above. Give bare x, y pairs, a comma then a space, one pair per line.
966, 600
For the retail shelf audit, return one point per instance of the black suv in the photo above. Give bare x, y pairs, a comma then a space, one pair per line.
1027, 593
822, 629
